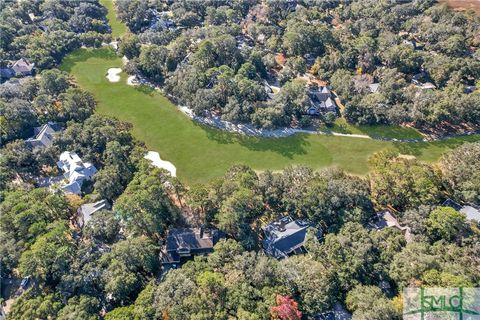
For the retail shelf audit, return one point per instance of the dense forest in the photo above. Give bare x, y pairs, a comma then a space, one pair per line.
252, 62
44, 31
110, 268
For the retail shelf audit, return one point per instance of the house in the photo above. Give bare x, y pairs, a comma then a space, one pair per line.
270, 90
19, 68
86, 211
420, 80
161, 19
184, 243
471, 213
373, 87
386, 219
22, 67
321, 101
43, 135
285, 237
75, 171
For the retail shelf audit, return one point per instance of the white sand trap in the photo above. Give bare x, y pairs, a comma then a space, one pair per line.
154, 157
113, 74
132, 81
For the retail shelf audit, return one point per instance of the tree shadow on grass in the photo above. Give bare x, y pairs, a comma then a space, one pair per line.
417, 148
145, 89
286, 146
414, 149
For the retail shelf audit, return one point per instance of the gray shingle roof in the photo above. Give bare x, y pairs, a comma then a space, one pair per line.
43, 135
321, 101
284, 236
185, 242
22, 67
87, 210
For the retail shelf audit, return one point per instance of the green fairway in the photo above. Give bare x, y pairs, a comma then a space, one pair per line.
201, 153
118, 28
387, 131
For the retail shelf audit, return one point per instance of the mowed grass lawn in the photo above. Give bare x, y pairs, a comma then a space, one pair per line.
118, 28
201, 153
387, 131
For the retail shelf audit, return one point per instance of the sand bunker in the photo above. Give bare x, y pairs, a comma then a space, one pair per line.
154, 157
132, 81
113, 74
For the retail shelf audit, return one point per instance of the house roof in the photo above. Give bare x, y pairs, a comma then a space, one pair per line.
452, 204
325, 90
329, 103
87, 210
472, 213
386, 219
320, 101
319, 95
374, 87
75, 170
284, 236
185, 242
22, 65
72, 187
43, 135
188, 238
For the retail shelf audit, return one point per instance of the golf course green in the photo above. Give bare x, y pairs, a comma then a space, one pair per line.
201, 153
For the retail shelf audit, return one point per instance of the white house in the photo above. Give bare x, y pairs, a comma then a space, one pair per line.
75, 171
